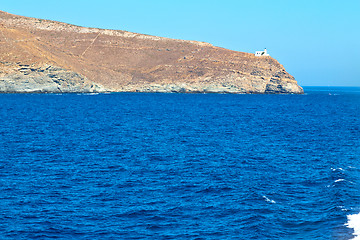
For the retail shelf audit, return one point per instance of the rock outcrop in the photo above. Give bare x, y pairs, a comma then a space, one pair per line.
46, 56
47, 79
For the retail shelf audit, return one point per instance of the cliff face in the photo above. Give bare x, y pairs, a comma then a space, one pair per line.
46, 56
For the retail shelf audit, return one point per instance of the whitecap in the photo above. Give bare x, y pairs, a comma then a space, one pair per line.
335, 169
269, 200
342, 180
339, 180
343, 208
354, 223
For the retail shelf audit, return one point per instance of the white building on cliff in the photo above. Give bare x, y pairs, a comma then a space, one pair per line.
261, 53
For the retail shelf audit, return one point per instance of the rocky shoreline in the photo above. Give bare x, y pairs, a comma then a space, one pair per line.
58, 80
50, 79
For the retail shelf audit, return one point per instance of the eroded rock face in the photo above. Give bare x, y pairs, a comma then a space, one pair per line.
47, 79
94, 60
277, 85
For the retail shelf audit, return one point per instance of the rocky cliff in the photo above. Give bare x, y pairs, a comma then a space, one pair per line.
46, 56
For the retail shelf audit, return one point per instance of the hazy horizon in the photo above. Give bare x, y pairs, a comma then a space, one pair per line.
316, 42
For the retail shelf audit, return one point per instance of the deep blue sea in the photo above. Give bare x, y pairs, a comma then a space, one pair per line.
180, 166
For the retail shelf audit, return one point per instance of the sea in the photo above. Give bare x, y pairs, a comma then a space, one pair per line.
180, 166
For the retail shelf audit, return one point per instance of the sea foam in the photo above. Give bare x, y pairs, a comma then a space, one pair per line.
354, 222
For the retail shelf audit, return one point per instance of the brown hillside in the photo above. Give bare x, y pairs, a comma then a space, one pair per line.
48, 56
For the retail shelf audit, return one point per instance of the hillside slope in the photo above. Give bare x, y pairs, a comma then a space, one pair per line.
46, 56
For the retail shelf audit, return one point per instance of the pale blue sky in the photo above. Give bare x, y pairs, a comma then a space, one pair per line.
317, 41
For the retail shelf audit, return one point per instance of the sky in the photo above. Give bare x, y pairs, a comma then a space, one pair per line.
317, 41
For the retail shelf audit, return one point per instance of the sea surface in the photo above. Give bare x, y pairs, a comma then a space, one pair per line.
180, 166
